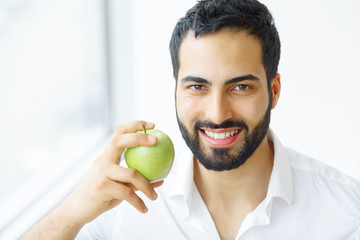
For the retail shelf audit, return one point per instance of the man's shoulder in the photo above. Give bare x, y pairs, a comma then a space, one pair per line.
313, 171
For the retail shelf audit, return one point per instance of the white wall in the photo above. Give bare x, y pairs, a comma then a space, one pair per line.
318, 111
319, 108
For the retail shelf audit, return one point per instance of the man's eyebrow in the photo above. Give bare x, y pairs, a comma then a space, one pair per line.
195, 79
231, 81
242, 78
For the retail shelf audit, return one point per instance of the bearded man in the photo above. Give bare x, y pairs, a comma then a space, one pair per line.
235, 180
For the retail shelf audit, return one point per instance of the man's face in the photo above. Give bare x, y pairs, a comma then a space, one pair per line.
222, 99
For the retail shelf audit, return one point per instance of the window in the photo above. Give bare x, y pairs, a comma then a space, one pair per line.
53, 95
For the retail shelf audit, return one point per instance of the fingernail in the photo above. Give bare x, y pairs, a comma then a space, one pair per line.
145, 209
154, 195
151, 138
150, 124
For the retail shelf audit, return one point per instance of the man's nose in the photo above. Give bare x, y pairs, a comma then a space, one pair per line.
218, 108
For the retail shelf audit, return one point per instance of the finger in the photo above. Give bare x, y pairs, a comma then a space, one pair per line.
113, 203
133, 127
157, 184
154, 185
135, 139
120, 142
130, 140
134, 179
122, 192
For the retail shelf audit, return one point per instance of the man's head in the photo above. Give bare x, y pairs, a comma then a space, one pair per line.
209, 16
226, 79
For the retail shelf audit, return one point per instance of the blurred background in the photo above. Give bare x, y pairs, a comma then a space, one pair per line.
72, 70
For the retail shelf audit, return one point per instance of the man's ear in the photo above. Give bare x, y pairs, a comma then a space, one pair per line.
275, 88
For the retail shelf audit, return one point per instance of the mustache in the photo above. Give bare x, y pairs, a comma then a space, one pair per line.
226, 124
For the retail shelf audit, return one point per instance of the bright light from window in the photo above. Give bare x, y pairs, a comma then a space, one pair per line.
52, 91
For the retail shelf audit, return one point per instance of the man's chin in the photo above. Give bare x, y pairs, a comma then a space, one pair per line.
218, 159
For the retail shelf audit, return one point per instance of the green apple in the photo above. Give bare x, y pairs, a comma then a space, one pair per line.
153, 162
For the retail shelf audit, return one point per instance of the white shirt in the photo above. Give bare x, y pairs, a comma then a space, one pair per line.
306, 199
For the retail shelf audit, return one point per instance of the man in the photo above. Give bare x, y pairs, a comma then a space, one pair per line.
236, 180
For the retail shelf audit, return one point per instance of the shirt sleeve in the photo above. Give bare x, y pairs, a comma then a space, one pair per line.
86, 234
99, 228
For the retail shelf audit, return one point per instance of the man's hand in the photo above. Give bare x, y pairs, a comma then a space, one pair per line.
105, 185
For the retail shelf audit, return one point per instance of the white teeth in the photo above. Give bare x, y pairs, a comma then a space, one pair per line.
221, 135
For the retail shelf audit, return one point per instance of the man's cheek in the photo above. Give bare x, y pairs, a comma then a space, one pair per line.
188, 107
252, 111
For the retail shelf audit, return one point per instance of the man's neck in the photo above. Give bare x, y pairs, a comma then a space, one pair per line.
231, 195
248, 183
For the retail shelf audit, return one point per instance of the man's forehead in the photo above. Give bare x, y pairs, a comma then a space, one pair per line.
228, 43
225, 54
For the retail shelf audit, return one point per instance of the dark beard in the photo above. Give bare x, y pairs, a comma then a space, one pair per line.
221, 159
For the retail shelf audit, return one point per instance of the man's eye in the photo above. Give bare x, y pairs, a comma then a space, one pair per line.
197, 87
242, 87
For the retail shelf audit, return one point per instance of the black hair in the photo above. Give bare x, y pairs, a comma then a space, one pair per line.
209, 16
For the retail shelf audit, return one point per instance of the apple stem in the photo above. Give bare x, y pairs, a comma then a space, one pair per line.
144, 128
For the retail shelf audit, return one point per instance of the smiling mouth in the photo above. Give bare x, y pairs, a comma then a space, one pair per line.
220, 137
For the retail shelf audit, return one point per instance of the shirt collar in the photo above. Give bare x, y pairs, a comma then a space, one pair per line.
184, 174
281, 180
280, 185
